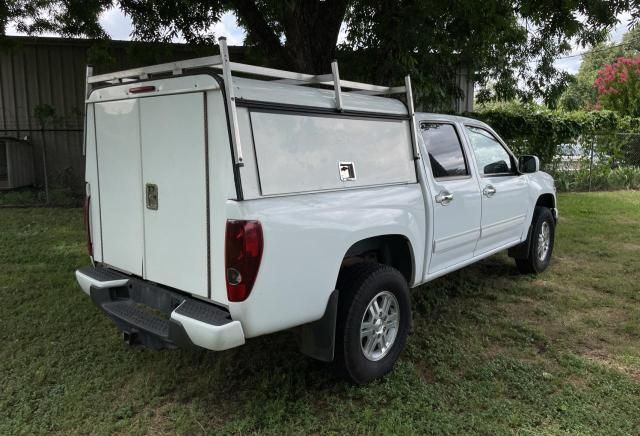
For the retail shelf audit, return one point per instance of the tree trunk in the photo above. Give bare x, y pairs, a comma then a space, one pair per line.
311, 28
4, 16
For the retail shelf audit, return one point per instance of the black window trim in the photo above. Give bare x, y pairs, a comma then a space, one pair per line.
464, 154
514, 160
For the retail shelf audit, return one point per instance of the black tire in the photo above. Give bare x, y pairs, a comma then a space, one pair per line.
533, 264
358, 285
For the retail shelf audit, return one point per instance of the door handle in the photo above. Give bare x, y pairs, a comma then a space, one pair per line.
444, 197
489, 191
152, 196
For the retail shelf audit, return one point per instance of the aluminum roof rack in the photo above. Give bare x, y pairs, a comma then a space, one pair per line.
223, 62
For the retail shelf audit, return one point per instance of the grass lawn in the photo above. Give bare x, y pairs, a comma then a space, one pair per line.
491, 351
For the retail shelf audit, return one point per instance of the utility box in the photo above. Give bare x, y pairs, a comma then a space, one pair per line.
16, 163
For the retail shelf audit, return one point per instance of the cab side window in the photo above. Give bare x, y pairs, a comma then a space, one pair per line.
491, 156
445, 150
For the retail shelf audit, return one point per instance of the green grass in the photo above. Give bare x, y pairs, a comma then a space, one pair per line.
491, 352
34, 197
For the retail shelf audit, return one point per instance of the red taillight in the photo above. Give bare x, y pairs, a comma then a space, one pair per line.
87, 224
142, 89
243, 252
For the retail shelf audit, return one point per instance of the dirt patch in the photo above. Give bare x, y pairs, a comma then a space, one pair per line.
425, 373
626, 246
569, 263
627, 221
427, 376
602, 358
577, 381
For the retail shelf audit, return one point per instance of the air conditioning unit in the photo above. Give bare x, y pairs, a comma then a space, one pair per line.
16, 163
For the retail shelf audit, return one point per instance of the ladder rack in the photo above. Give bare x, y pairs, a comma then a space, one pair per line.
222, 62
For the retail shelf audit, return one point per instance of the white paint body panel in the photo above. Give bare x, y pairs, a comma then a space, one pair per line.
87, 282
305, 240
504, 214
221, 189
306, 235
265, 91
119, 175
173, 158
301, 153
93, 187
216, 338
159, 140
456, 226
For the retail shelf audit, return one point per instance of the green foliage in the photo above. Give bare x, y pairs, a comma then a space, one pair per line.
599, 178
581, 94
434, 40
583, 150
45, 114
618, 86
58, 196
509, 46
66, 17
532, 129
100, 57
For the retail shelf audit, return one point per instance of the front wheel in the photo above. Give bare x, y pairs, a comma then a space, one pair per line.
374, 320
541, 243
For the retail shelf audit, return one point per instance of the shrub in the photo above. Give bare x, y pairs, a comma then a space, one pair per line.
602, 179
618, 86
567, 141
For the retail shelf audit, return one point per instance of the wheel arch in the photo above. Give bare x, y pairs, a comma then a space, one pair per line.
546, 200
317, 339
394, 250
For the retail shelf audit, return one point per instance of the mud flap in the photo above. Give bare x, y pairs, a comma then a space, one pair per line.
317, 339
521, 251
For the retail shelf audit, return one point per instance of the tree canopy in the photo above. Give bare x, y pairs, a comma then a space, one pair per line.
618, 86
581, 93
510, 44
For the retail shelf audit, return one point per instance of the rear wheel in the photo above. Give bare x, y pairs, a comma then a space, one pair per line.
541, 243
374, 320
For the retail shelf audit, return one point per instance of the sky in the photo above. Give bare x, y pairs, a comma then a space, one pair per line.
571, 64
119, 27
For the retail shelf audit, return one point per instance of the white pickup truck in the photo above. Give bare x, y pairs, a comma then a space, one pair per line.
221, 207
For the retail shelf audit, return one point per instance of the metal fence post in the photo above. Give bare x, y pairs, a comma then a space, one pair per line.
44, 166
591, 164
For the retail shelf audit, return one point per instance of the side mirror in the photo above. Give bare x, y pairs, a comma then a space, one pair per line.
528, 164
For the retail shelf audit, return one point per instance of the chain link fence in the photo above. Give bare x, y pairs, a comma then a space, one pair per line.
45, 170
597, 163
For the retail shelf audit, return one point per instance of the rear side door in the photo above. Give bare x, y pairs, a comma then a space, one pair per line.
505, 193
117, 129
457, 203
153, 178
174, 182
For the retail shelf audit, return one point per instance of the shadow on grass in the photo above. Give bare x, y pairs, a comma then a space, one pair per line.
480, 358
270, 368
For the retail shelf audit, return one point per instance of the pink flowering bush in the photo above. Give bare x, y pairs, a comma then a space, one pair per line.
618, 86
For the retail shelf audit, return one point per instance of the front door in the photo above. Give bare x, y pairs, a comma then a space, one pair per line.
505, 194
456, 217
